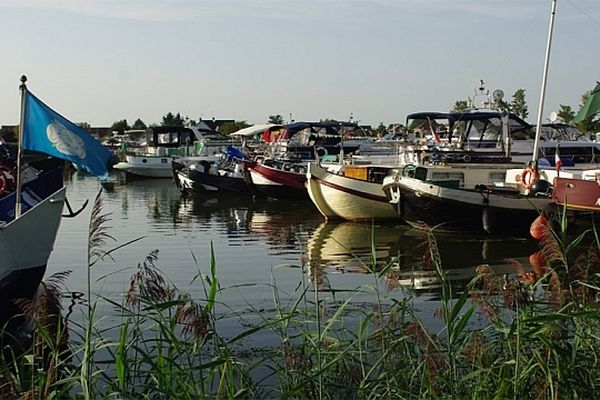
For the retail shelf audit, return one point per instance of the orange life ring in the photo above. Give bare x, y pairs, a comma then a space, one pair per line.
7, 180
529, 176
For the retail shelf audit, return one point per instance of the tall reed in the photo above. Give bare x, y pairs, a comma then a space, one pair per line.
531, 334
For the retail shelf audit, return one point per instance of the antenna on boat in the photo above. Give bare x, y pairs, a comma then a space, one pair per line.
538, 127
23, 89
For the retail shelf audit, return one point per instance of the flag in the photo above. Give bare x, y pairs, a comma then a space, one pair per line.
48, 132
557, 161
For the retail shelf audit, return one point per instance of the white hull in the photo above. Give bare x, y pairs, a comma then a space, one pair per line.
26, 242
341, 197
146, 166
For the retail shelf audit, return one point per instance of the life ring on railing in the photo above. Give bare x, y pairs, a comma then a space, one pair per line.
529, 176
7, 180
321, 151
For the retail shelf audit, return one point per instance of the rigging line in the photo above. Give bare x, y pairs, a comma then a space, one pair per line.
584, 13
518, 41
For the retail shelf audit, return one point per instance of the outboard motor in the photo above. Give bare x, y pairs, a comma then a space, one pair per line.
541, 188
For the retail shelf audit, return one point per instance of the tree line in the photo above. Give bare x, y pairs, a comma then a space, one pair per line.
517, 105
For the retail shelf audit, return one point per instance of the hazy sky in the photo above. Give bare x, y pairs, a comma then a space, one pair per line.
100, 61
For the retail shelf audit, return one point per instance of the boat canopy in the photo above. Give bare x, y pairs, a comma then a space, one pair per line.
169, 136
474, 125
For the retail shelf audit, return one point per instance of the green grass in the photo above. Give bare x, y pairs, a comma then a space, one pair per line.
526, 335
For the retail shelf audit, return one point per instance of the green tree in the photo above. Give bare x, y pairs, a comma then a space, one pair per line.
518, 105
566, 113
230, 127
276, 119
592, 123
460, 106
84, 125
381, 130
138, 124
120, 126
172, 120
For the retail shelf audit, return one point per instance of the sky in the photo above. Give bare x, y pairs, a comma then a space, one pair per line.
100, 61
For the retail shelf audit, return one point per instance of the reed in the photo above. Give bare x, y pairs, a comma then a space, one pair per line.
528, 334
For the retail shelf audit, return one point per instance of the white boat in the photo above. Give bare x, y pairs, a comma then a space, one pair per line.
27, 241
32, 194
165, 144
354, 194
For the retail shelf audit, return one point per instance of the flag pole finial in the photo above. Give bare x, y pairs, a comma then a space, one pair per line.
23, 80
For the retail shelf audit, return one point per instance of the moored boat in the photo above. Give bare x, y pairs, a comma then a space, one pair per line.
476, 198
165, 144
224, 175
355, 193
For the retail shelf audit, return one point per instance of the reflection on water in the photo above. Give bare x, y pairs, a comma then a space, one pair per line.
357, 247
253, 238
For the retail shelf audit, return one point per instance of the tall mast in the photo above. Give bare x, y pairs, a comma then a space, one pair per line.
538, 128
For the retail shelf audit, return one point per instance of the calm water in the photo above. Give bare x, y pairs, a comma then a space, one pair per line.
257, 244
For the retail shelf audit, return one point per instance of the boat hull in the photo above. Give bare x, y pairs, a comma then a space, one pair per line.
145, 167
339, 197
191, 180
21, 270
272, 182
449, 209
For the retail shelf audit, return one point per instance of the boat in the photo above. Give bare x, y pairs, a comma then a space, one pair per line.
201, 177
281, 171
32, 194
484, 198
43, 195
167, 143
473, 198
575, 199
354, 192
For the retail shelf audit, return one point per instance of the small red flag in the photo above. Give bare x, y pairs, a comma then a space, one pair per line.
557, 161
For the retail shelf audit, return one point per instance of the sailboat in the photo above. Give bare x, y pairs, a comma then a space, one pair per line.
32, 194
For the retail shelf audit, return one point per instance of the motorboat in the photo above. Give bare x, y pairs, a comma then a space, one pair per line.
280, 172
27, 240
490, 198
167, 143
224, 175
354, 191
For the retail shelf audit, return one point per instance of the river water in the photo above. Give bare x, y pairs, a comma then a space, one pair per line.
261, 247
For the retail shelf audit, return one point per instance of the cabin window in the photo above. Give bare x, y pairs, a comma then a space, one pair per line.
497, 177
442, 176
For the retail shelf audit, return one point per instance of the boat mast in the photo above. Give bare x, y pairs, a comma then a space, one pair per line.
23, 89
538, 128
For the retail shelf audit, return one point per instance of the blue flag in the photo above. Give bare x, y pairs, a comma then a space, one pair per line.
48, 132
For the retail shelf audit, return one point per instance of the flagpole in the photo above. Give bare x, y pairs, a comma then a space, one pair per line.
23, 88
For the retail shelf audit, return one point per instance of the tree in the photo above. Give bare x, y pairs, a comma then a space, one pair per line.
566, 113
230, 127
138, 124
381, 130
518, 105
84, 125
460, 106
172, 120
590, 124
276, 119
120, 126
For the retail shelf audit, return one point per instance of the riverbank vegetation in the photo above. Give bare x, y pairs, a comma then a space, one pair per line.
531, 334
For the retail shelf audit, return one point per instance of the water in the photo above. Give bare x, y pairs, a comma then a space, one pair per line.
261, 245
